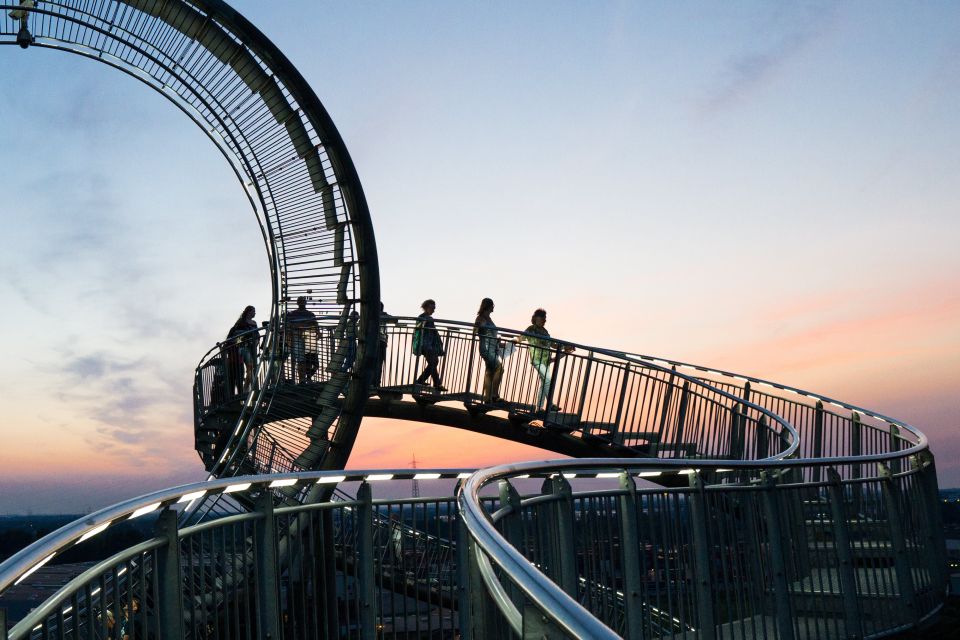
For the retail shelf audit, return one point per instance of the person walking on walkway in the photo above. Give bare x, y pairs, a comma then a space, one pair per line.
235, 349
542, 350
426, 342
485, 328
246, 329
301, 322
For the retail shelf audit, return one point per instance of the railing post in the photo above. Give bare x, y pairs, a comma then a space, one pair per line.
817, 437
584, 386
565, 553
268, 585
170, 584
856, 448
622, 399
629, 538
537, 626
478, 623
737, 430
934, 540
466, 576
703, 584
511, 524
365, 553
895, 442
841, 542
771, 513
761, 436
665, 404
551, 392
682, 416
3, 624
901, 564
474, 342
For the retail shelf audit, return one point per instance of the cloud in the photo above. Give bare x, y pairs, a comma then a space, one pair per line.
745, 72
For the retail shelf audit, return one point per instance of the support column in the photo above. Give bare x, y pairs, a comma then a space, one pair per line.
564, 553
934, 540
268, 584
630, 557
817, 438
901, 563
169, 581
366, 580
701, 564
781, 589
841, 541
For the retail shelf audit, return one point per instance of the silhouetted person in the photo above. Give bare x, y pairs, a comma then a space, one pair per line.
350, 335
234, 347
542, 350
382, 343
244, 336
427, 343
485, 328
300, 323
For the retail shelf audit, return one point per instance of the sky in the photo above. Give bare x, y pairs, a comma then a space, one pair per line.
768, 188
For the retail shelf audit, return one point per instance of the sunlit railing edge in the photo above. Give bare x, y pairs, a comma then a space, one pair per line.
20, 565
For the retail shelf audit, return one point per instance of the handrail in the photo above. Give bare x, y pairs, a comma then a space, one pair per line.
549, 598
21, 564
922, 440
572, 377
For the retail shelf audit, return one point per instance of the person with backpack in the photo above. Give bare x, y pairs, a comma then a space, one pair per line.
427, 343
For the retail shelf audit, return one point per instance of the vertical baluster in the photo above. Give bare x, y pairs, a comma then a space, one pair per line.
817, 437
584, 386
895, 445
563, 550
701, 564
891, 495
682, 419
934, 542
367, 583
856, 448
630, 557
841, 542
771, 513
265, 556
169, 599
621, 401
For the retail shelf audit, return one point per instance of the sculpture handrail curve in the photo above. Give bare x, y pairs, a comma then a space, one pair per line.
21, 564
922, 441
592, 401
551, 601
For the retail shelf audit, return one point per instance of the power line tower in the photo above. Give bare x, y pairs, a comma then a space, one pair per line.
416, 483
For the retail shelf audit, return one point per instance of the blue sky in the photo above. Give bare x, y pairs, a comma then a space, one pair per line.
770, 188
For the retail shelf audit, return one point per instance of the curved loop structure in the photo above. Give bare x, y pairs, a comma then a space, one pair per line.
231, 81
742, 508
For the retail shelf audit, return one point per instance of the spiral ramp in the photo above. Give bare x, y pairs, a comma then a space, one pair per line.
743, 465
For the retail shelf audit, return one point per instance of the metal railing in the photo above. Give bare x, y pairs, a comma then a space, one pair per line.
743, 551
354, 566
268, 124
596, 395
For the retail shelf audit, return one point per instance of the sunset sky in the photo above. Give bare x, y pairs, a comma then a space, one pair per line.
769, 188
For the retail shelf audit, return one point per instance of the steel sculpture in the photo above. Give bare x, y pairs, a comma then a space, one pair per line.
740, 507
247, 98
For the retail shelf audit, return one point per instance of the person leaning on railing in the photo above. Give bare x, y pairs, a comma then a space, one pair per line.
542, 350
